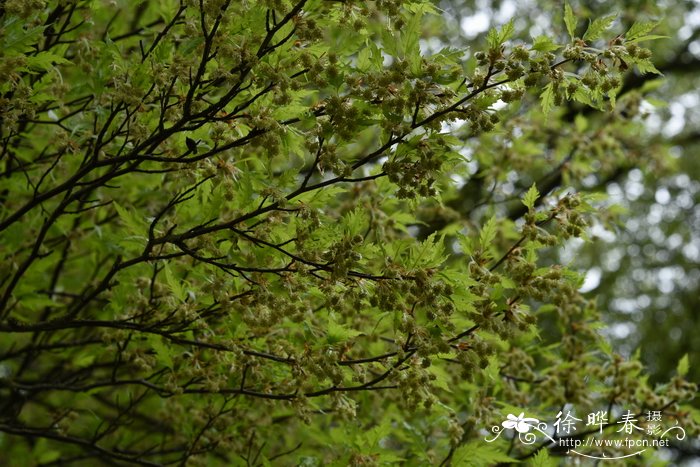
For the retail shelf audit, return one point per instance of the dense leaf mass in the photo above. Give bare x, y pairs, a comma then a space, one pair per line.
290, 232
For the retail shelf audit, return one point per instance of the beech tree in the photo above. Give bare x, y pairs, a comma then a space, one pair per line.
299, 233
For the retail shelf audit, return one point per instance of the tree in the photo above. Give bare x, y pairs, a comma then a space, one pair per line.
290, 232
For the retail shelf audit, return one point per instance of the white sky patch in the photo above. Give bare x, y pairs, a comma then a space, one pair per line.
611, 261
656, 213
498, 105
694, 48
625, 305
621, 330
633, 189
685, 32
667, 278
615, 193
458, 180
691, 252
602, 233
506, 11
674, 241
570, 249
662, 196
467, 153
476, 24
692, 19
452, 126
677, 121
541, 25
592, 280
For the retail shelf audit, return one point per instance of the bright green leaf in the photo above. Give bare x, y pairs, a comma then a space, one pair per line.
488, 233
570, 20
531, 196
598, 27
547, 99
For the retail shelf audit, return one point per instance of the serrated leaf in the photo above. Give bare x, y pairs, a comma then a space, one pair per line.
429, 253
683, 365
488, 233
496, 37
478, 454
373, 436
492, 38
506, 31
544, 44
547, 99
129, 219
581, 95
336, 333
161, 350
45, 61
466, 244
570, 20
531, 196
645, 66
639, 29
174, 284
598, 27
542, 459
651, 37
364, 59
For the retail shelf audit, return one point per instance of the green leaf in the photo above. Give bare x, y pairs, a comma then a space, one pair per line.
544, 44
430, 253
364, 59
496, 37
531, 196
683, 365
373, 436
506, 31
466, 244
488, 233
410, 36
598, 27
651, 37
161, 350
583, 95
479, 454
336, 333
45, 61
645, 66
639, 29
547, 99
492, 38
130, 220
443, 379
542, 459
84, 360
174, 284
570, 20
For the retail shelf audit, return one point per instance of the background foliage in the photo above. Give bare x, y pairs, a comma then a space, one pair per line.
336, 233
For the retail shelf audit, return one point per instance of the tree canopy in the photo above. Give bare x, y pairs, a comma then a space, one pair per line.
315, 232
